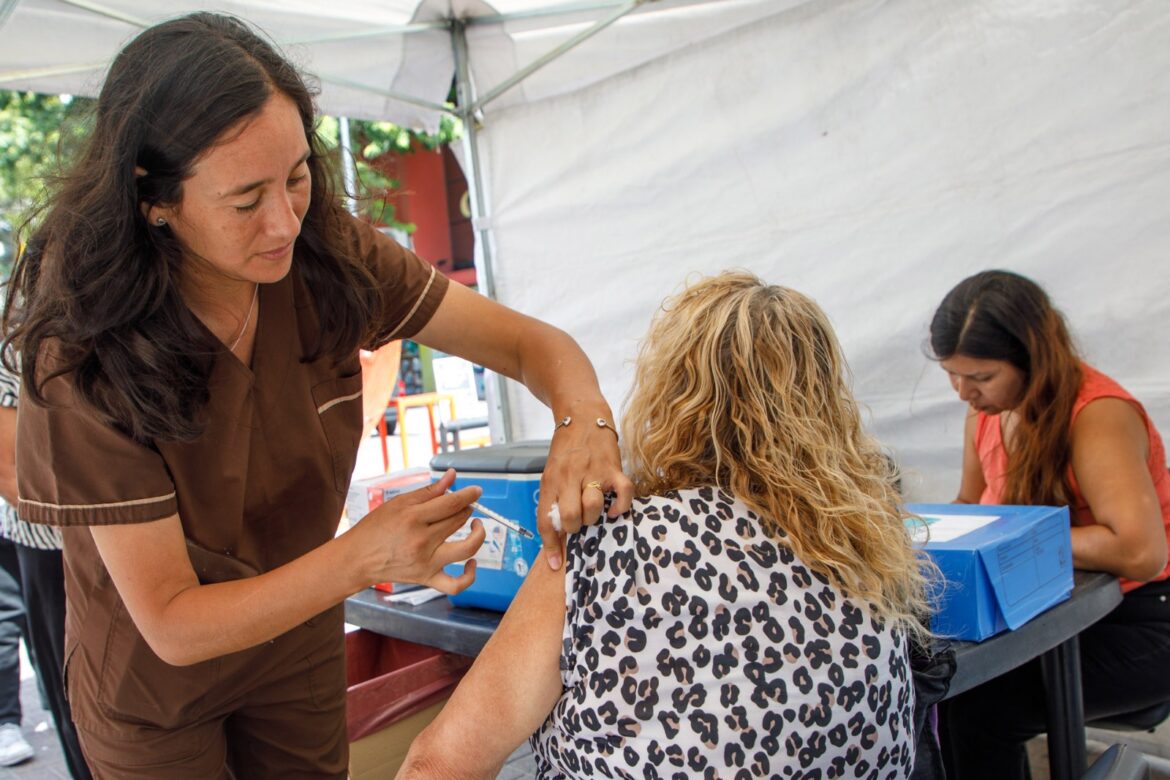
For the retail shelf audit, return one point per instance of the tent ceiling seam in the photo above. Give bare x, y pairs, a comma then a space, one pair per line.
102, 10
559, 51
6, 9
353, 35
415, 101
574, 8
58, 70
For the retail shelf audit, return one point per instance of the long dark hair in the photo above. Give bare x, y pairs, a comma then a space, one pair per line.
1000, 315
97, 288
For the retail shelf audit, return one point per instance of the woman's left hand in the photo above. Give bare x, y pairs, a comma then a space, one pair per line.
584, 465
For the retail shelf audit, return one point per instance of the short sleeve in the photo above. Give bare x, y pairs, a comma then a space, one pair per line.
73, 469
601, 571
411, 288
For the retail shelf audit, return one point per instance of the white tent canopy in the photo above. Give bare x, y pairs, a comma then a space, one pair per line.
869, 153
380, 59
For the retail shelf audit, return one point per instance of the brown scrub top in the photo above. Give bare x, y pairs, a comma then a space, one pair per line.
264, 483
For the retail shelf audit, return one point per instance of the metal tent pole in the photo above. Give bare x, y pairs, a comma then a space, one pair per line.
348, 168
499, 409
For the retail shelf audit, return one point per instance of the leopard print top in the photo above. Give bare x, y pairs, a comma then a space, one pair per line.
697, 647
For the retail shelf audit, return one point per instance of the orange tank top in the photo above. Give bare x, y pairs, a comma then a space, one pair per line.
1094, 385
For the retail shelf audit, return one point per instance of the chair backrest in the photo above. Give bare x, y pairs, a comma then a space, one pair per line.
1119, 762
1146, 719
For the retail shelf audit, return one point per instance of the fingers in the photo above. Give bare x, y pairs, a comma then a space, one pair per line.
592, 501
623, 488
548, 524
407, 536
431, 491
436, 502
461, 549
569, 504
445, 583
451, 552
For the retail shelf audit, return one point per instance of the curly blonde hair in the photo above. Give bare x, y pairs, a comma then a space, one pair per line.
743, 385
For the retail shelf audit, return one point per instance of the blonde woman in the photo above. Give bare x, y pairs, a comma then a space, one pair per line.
751, 614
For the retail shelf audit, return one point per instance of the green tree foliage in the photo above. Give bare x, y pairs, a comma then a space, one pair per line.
36, 133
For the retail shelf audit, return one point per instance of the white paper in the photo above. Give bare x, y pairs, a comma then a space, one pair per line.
944, 528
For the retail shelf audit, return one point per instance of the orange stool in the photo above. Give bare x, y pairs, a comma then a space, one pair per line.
427, 400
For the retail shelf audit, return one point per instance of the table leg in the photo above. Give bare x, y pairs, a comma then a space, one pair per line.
1061, 670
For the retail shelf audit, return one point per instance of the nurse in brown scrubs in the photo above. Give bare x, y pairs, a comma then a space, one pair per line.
188, 316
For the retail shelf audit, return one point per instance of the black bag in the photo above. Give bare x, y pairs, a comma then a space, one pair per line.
932, 667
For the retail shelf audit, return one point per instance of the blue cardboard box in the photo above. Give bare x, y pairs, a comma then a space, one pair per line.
1003, 564
510, 477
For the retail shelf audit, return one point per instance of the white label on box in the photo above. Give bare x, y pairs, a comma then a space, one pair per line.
944, 528
491, 552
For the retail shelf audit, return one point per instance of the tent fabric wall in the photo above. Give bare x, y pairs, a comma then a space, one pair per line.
870, 154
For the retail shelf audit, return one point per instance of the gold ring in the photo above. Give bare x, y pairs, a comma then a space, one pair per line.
595, 484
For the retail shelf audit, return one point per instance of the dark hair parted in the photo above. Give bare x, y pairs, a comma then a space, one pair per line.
96, 291
1000, 315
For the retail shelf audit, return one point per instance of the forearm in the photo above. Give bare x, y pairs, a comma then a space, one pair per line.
546, 359
556, 370
1099, 548
1110, 449
516, 679
185, 622
206, 621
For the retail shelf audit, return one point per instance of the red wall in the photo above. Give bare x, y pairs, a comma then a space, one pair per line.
431, 191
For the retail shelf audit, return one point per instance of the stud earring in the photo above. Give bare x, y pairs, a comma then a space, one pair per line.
160, 222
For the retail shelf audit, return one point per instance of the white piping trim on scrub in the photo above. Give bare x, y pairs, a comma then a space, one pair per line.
414, 308
111, 505
330, 404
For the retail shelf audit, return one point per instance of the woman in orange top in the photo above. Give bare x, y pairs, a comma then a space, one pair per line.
1046, 428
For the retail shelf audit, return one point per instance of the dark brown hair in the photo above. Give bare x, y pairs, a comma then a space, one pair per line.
999, 315
98, 286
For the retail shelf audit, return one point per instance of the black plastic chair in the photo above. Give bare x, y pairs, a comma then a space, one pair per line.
1119, 762
1146, 719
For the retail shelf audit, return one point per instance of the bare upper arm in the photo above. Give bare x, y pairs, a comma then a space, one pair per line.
8, 454
1110, 447
149, 566
972, 483
516, 679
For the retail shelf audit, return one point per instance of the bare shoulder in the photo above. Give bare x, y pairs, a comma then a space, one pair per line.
1109, 420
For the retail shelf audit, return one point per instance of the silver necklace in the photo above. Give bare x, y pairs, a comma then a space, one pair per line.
252, 308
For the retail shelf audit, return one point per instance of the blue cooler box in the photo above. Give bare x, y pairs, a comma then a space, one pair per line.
510, 477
